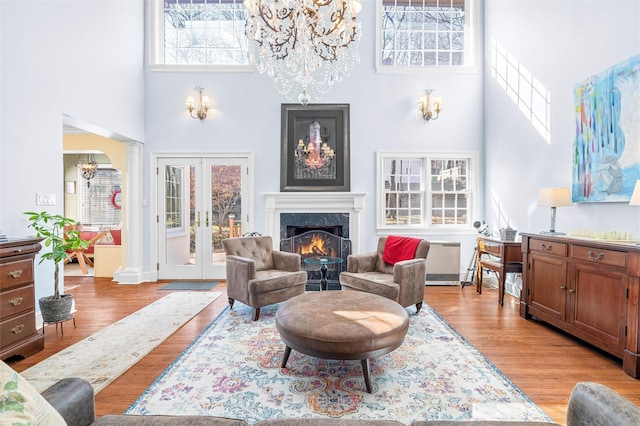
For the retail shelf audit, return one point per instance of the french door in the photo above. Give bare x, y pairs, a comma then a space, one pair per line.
201, 201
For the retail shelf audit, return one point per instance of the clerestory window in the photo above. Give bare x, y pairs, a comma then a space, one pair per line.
426, 191
418, 35
205, 33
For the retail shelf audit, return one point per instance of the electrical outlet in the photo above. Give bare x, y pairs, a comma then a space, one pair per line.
46, 199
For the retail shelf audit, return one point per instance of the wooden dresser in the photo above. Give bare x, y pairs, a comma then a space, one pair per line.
588, 288
18, 333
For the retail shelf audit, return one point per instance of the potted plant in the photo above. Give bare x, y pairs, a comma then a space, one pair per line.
62, 235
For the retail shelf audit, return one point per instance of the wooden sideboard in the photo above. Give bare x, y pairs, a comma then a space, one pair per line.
18, 333
588, 288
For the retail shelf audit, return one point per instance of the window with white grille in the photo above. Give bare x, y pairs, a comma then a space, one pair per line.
430, 191
198, 32
422, 34
100, 199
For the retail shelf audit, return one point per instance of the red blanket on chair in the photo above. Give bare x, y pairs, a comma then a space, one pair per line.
397, 249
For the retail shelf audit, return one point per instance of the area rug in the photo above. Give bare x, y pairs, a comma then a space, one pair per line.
190, 285
105, 355
233, 369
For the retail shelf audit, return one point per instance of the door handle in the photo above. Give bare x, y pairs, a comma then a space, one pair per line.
206, 219
198, 219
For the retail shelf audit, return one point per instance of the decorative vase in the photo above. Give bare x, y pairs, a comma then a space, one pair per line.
56, 310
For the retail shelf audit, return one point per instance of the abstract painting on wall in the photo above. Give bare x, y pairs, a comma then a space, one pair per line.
606, 153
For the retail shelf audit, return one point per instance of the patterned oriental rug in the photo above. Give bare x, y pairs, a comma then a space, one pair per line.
105, 355
233, 369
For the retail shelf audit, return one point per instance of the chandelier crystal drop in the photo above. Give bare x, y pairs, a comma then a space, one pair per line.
305, 46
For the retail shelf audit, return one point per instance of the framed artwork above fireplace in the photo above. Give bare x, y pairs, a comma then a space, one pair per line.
315, 148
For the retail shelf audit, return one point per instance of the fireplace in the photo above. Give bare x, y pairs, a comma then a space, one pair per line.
319, 243
348, 204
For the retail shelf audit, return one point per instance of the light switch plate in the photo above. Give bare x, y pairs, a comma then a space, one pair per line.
46, 199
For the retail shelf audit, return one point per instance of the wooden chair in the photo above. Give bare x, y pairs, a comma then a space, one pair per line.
81, 255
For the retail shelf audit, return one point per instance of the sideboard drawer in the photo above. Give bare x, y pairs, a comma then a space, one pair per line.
598, 255
546, 246
13, 274
16, 301
17, 328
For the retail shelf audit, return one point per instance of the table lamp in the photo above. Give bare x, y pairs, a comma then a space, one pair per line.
635, 198
554, 197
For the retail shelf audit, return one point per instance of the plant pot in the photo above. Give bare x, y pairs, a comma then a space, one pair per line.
508, 234
56, 310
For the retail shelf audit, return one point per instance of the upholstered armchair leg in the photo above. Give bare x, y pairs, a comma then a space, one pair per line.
231, 303
418, 307
256, 314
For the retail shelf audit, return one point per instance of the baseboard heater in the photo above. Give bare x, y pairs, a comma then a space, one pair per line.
443, 263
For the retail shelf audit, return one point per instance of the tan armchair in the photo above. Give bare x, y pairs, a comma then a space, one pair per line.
259, 276
402, 282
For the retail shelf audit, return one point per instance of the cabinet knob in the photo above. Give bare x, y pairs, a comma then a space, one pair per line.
599, 256
16, 274
17, 329
571, 290
16, 302
562, 287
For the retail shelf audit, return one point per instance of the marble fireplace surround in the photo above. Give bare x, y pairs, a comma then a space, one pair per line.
315, 202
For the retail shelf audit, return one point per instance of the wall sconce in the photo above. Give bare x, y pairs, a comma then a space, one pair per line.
430, 105
554, 197
200, 111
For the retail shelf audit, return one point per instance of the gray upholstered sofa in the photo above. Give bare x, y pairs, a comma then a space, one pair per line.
590, 404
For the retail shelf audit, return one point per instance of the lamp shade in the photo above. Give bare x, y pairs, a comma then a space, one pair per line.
635, 197
554, 197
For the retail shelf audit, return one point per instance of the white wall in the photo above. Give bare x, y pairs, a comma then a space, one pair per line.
562, 42
80, 58
384, 116
85, 59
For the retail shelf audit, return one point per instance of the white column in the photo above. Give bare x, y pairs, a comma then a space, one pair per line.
132, 270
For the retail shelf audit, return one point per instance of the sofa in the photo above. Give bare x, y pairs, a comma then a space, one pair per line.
71, 401
589, 404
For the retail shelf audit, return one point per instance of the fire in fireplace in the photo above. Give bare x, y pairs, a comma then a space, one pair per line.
318, 246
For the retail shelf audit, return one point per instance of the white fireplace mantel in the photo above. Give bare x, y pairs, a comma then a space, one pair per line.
315, 202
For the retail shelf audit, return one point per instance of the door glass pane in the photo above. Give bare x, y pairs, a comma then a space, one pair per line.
179, 215
226, 200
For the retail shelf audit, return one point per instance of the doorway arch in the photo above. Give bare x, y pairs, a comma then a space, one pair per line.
126, 155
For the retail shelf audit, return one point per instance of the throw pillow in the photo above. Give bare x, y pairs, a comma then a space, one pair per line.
21, 404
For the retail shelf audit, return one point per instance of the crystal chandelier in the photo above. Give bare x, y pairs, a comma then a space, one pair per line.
88, 168
305, 46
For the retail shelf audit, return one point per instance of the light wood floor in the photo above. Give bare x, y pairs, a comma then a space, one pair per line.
543, 362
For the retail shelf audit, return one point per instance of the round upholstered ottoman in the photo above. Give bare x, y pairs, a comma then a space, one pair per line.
342, 325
